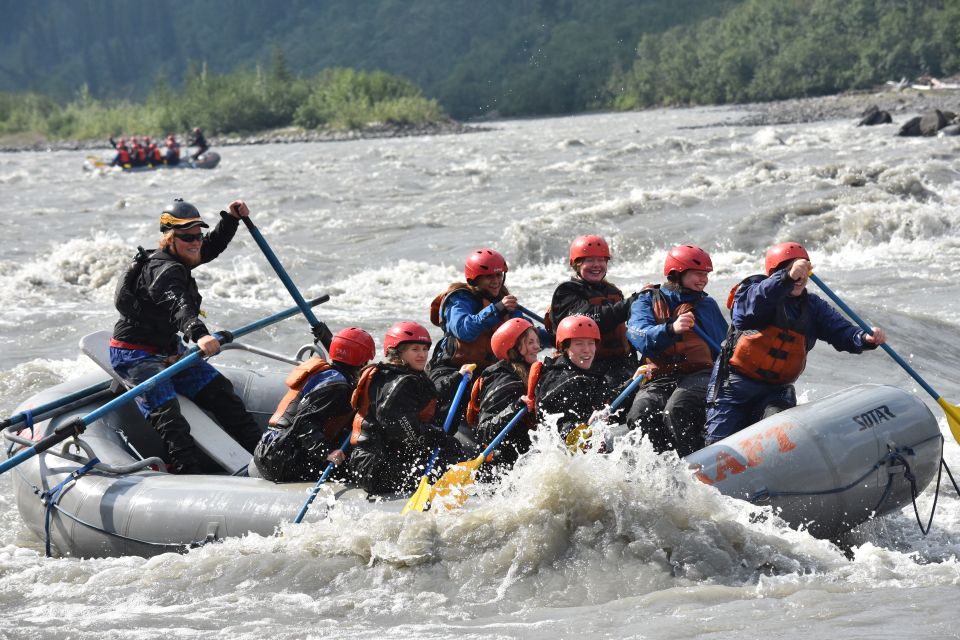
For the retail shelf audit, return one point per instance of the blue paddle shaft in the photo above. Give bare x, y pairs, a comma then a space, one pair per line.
503, 432
56, 404
451, 413
323, 478
188, 360
863, 325
619, 400
710, 341
281, 272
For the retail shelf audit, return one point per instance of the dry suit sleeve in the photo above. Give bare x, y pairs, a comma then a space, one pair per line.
170, 291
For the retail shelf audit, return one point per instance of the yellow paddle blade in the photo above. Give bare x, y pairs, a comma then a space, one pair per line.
452, 484
953, 417
420, 498
577, 438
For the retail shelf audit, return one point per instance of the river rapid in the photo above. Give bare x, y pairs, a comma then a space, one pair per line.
625, 545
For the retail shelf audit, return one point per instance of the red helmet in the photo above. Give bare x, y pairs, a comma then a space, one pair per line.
780, 253
484, 262
146, 139
687, 256
506, 336
196, 129
133, 140
589, 247
121, 142
352, 346
404, 332
576, 327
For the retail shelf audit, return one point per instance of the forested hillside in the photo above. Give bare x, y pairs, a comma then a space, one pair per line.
508, 56
502, 57
768, 50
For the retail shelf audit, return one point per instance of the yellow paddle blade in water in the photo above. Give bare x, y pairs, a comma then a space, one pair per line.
953, 417
577, 439
420, 498
451, 486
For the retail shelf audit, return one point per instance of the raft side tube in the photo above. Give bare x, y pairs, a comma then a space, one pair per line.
832, 464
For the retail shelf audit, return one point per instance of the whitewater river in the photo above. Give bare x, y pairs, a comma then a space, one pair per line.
589, 546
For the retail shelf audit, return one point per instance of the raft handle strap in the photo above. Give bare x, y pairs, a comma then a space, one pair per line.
50, 497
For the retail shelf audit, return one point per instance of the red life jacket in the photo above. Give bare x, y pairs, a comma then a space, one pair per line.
175, 149
154, 154
776, 354
295, 382
137, 152
123, 155
689, 353
477, 351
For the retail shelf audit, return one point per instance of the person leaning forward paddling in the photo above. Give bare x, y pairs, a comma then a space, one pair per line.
397, 424
776, 321
159, 301
313, 418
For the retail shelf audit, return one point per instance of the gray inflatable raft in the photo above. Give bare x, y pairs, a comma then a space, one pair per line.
828, 466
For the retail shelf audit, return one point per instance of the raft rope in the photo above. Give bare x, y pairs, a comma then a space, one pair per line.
936, 495
52, 496
893, 457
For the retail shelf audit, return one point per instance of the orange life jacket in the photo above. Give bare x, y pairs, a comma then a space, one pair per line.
473, 407
689, 353
532, 381
295, 382
776, 354
477, 351
360, 401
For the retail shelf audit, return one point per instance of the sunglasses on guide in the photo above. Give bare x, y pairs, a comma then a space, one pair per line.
189, 237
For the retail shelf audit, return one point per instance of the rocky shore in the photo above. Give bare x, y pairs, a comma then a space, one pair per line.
277, 136
901, 103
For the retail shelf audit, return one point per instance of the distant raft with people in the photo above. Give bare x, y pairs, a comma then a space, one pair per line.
207, 160
826, 467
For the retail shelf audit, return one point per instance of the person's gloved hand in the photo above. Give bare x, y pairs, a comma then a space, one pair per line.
322, 335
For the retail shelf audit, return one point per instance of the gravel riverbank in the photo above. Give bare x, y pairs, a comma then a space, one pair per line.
27, 142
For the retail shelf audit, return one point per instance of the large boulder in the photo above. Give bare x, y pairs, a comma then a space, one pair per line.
910, 128
873, 116
934, 120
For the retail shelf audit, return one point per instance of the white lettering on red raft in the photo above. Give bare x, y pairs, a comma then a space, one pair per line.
754, 449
